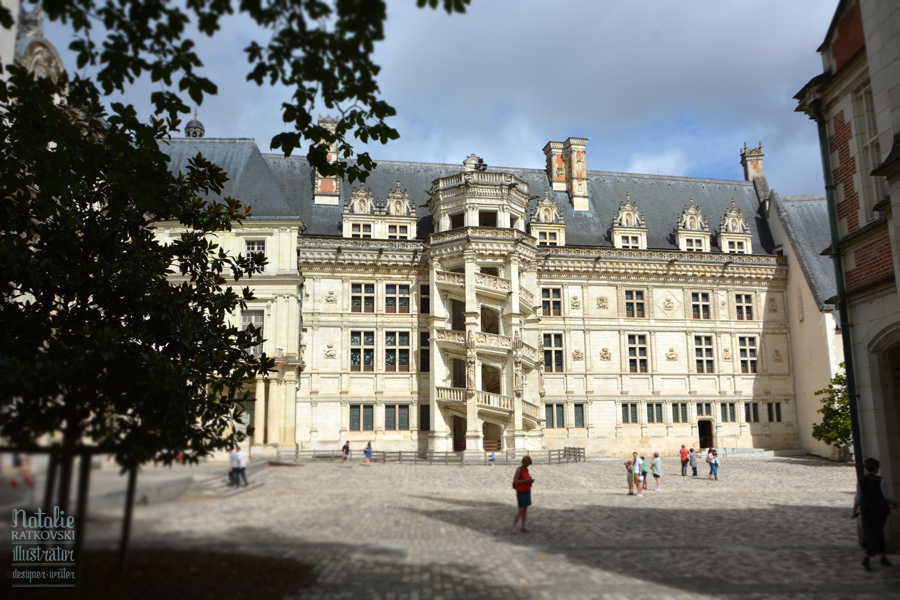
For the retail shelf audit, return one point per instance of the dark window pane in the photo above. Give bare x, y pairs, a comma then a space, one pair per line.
579, 415
369, 338
560, 415
424, 417
355, 338
389, 417
548, 410
403, 337
634, 418
368, 417
354, 418
403, 418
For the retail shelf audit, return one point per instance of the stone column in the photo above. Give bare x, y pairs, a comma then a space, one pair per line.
259, 413
275, 400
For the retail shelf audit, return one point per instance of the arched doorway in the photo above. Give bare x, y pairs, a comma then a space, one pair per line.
493, 436
705, 427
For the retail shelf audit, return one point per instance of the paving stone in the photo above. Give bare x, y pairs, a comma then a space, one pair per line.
769, 528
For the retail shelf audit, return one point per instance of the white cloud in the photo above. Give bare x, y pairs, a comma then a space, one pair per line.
670, 162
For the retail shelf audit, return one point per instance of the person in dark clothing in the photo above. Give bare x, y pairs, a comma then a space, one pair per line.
874, 501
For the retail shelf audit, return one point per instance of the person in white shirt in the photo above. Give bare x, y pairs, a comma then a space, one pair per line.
242, 467
638, 466
234, 464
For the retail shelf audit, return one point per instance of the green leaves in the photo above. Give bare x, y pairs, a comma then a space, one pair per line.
835, 426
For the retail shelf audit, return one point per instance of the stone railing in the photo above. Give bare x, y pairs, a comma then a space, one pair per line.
664, 255
532, 410
494, 233
492, 282
451, 394
526, 295
448, 335
531, 353
479, 177
493, 340
450, 277
494, 400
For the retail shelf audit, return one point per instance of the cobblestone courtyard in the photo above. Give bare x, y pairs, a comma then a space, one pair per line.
777, 527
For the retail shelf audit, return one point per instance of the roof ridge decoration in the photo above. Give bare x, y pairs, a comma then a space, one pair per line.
629, 215
733, 221
474, 163
360, 203
398, 202
546, 211
692, 219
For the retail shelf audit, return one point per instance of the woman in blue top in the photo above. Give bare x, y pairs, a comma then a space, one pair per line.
368, 453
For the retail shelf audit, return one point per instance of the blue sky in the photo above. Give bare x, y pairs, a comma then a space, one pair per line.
656, 86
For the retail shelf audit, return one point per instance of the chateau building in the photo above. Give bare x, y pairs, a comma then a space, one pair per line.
471, 307
855, 104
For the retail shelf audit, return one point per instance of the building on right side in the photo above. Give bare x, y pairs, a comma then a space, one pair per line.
855, 102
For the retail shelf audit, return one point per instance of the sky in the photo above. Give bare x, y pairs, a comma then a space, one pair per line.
674, 88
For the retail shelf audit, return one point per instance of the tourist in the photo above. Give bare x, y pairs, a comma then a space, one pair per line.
233, 466
713, 459
522, 481
629, 474
693, 458
873, 500
346, 452
368, 453
644, 473
638, 465
242, 467
656, 469
685, 459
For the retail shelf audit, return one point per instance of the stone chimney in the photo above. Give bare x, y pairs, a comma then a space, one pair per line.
752, 161
567, 170
328, 189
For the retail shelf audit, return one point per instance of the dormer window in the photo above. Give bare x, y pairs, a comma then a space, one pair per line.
361, 230
692, 232
398, 232
547, 238
547, 224
629, 230
734, 232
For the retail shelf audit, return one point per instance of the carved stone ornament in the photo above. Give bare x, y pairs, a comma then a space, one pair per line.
726, 354
546, 211
724, 305
628, 215
470, 339
398, 202
470, 372
773, 306
518, 375
330, 352
603, 303
577, 355
361, 202
776, 356
691, 219
605, 354
733, 221
671, 355
575, 302
331, 298
668, 304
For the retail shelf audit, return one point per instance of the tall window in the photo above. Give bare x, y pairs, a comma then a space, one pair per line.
424, 417
396, 298
634, 303
728, 414
553, 352
555, 416
361, 231
751, 412
579, 415
551, 303
700, 305
396, 417
703, 352
547, 238
774, 412
396, 351
870, 149
630, 242
747, 348
398, 232
425, 299
637, 353
362, 350
362, 297
629, 412
424, 352
743, 304
255, 247
655, 412
704, 409
680, 412
362, 417
255, 318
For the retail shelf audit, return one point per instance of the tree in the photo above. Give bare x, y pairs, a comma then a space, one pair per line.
835, 426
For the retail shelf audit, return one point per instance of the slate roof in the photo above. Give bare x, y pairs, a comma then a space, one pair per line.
805, 220
276, 186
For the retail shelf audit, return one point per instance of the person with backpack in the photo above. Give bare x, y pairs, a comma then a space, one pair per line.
874, 501
522, 482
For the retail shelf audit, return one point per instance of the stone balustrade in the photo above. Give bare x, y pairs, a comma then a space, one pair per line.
494, 400
526, 295
451, 394
493, 283
450, 278
449, 335
531, 353
532, 410
493, 340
